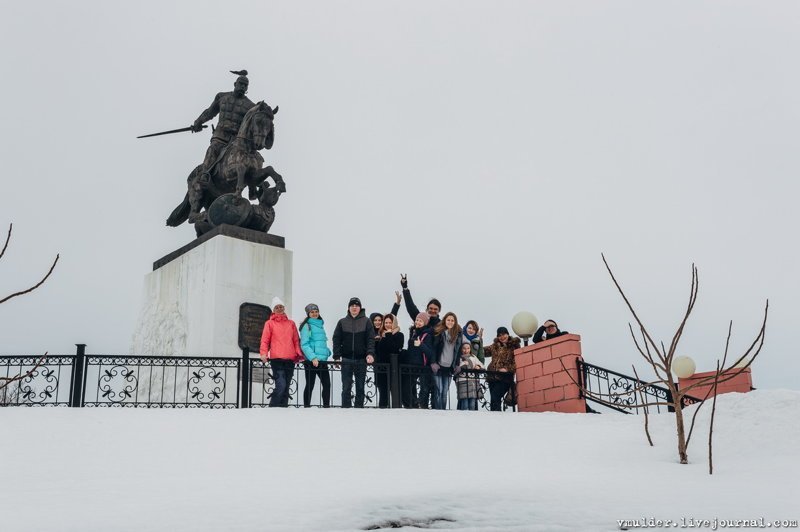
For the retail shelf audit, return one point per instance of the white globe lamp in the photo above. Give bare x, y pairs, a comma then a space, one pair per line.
524, 325
683, 367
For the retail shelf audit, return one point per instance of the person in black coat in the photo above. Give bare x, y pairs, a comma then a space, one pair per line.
390, 341
548, 331
420, 355
354, 345
434, 307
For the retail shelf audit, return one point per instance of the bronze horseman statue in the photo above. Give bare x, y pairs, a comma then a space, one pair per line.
232, 162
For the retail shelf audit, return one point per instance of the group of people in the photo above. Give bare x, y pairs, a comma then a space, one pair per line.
439, 351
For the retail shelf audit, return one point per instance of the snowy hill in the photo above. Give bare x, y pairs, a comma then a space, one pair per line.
257, 470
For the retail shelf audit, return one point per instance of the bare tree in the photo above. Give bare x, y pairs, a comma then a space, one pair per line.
6, 381
660, 357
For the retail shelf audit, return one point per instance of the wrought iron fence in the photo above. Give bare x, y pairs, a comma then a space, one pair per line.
111, 381
322, 386
160, 382
623, 391
49, 383
387, 385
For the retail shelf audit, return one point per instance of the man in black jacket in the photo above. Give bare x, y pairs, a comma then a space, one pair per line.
354, 345
433, 309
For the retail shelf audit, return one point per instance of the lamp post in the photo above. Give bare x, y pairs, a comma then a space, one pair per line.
683, 367
524, 325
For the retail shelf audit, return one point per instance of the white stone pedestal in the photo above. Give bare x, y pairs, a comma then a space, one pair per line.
191, 302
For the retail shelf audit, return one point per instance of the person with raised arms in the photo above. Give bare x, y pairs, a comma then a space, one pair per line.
434, 307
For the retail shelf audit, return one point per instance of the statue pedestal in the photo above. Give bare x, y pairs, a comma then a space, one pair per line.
191, 299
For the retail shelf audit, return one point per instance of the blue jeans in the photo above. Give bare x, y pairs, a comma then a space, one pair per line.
441, 382
353, 369
468, 404
282, 373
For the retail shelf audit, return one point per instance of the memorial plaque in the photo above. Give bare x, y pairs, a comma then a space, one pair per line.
252, 317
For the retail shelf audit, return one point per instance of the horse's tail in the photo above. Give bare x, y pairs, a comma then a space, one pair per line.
180, 214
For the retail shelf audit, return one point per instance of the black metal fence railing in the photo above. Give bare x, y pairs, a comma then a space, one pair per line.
625, 392
387, 385
108, 381
162, 382
49, 384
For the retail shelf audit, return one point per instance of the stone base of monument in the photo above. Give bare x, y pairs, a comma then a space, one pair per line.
192, 299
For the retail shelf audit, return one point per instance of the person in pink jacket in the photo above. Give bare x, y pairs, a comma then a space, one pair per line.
280, 345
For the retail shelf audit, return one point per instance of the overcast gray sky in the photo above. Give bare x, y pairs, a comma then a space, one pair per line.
491, 150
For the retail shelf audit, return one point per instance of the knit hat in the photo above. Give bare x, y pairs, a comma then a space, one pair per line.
501, 330
311, 307
354, 301
424, 317
277, 301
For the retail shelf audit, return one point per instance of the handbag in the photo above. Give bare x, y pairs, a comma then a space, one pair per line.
511, 396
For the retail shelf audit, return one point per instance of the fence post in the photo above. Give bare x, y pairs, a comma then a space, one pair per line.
76, 391
245, 378
670, 407
394, 379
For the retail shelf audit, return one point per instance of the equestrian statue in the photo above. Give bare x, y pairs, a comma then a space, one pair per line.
232, 163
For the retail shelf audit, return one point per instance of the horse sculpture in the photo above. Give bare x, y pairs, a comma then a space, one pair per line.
238, 166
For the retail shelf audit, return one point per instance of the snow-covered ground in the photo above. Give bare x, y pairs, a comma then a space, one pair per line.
270, 469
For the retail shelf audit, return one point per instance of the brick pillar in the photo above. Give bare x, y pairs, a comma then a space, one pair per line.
742, 383
542, 383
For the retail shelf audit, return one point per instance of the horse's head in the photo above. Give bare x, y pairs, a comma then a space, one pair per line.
257, 126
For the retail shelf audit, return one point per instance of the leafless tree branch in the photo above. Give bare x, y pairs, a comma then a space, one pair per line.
708, 392
34, 287
678, 333
646, 354
628, 303
646, 417
8, 238
732, 371
711, 424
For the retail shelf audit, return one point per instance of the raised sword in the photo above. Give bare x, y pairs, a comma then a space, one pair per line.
170, 131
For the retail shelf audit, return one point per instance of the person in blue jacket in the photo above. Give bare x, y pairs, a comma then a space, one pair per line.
314, 343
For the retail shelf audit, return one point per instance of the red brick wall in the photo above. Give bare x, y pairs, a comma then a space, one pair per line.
742, 383
542, 383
